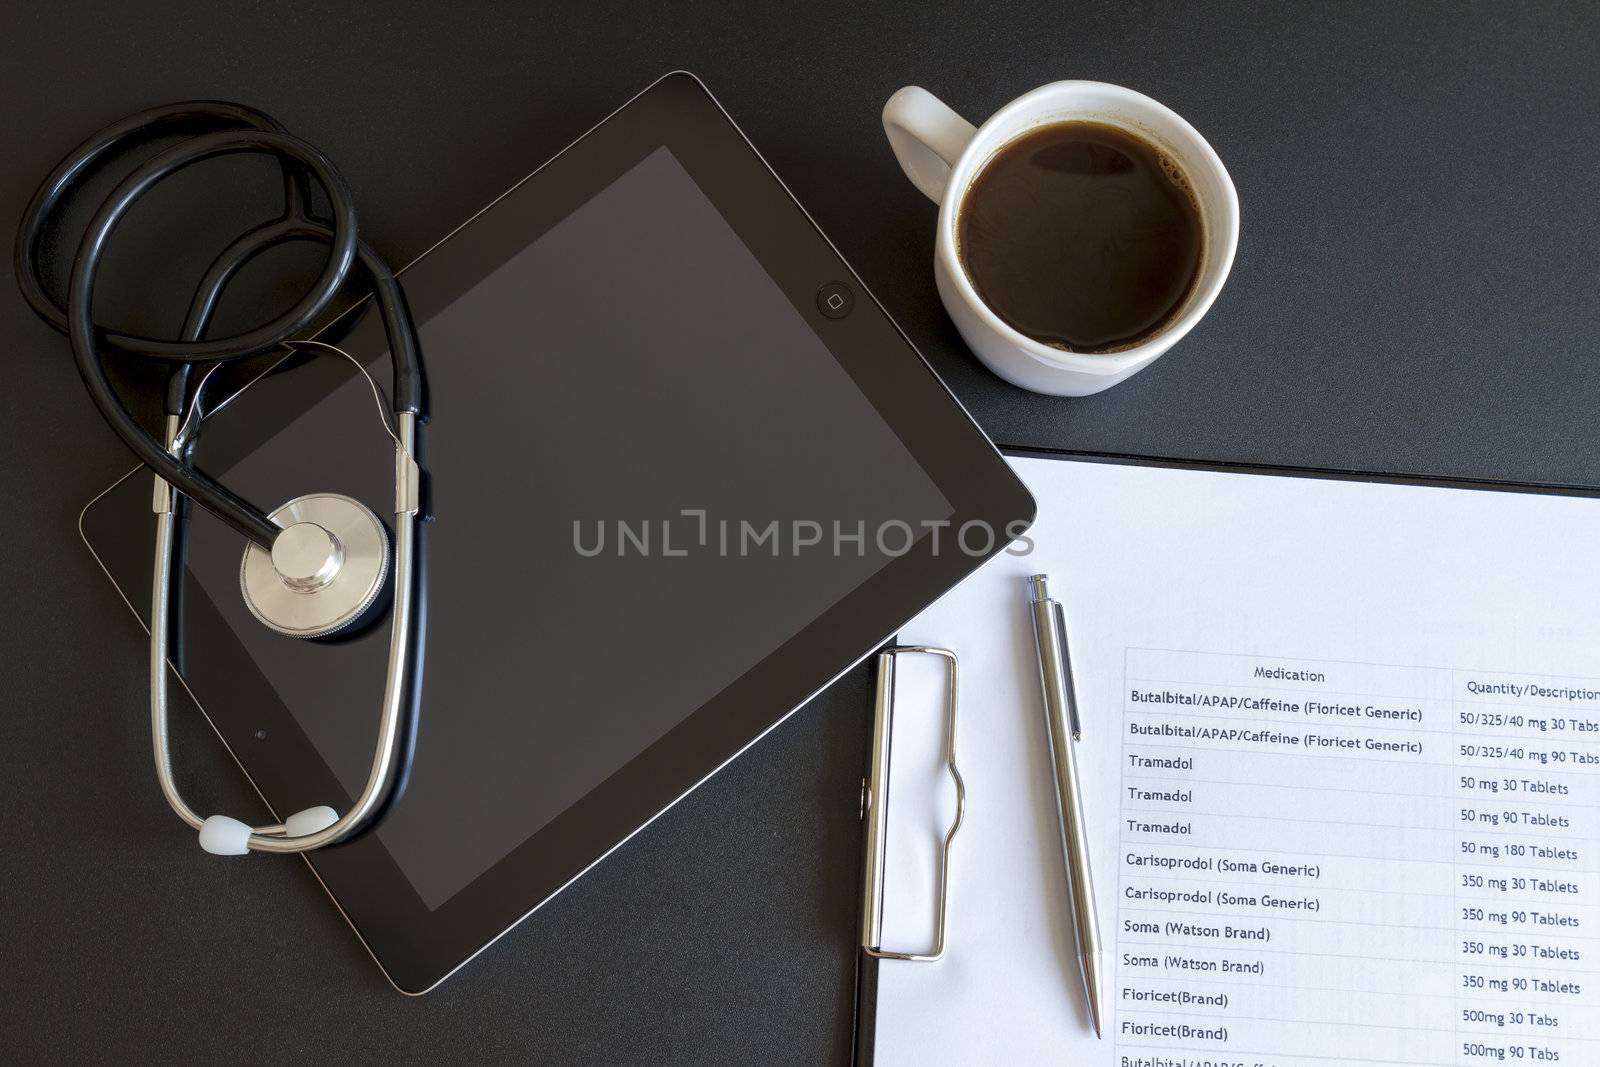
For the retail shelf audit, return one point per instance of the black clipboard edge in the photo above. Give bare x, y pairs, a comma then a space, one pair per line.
864, 1025
1287, 470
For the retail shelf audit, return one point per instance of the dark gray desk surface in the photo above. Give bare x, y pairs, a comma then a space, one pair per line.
1416, 290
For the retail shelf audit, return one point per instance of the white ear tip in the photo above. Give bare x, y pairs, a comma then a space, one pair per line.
309, 821
222, 836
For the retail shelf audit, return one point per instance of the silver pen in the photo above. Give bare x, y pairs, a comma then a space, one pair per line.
1061, 718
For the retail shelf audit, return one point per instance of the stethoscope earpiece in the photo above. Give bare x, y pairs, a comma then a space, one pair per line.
223, 836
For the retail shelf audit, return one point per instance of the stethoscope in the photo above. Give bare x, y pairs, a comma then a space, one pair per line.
317, 565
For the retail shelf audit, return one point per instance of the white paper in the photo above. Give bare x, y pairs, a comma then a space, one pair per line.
1334, 868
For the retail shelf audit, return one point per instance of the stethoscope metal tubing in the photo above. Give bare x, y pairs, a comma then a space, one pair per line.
401, 678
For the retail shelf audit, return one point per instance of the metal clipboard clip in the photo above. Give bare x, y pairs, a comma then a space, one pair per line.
875, 806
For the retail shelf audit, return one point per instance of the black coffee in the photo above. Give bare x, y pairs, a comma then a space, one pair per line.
1082, 236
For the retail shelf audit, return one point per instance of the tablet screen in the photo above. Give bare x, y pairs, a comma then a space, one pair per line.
647, 473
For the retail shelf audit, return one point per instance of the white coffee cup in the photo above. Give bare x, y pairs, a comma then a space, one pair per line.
942, 153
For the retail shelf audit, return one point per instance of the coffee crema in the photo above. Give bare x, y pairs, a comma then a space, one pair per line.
1081, 235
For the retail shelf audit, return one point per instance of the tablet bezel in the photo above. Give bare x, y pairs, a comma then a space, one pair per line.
417, 947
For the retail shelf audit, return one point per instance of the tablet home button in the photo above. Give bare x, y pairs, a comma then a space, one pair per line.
835, 300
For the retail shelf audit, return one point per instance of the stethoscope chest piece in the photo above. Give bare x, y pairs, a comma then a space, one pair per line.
324, 570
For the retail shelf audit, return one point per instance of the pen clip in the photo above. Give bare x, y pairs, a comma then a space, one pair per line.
1060, 619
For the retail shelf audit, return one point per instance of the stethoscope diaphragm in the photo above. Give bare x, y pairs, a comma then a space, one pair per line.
324, 571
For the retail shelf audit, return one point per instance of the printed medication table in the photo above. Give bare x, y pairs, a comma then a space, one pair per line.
1428, 836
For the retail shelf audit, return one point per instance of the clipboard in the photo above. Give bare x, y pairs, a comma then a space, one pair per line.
874, 818
869, 965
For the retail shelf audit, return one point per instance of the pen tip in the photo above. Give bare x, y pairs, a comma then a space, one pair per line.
1091, 986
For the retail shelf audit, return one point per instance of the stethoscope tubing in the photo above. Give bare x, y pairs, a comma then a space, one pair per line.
259, 134
242, 130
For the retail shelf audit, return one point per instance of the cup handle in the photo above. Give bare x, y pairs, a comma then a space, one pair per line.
927, 138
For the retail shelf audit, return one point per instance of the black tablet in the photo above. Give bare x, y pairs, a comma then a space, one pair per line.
683, 472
